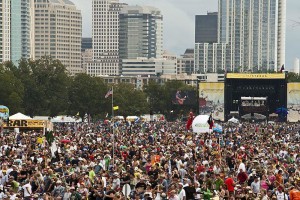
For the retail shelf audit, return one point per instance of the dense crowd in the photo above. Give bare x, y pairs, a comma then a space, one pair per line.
160, 160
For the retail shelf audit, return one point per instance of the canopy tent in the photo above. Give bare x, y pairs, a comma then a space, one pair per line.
65, 119
234, 120
19, 116
200, 124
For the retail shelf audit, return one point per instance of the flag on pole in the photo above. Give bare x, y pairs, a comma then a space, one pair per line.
116, 107
110, 92
282, 68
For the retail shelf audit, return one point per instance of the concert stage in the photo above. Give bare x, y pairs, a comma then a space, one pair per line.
254, 94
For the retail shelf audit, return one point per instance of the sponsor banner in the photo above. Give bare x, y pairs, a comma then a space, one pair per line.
293, 102
211, 100
4, 112
255, 76
28, 123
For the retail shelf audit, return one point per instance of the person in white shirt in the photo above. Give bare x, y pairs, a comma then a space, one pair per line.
181, 195
27, 190
280, 194
255, 185
242, 167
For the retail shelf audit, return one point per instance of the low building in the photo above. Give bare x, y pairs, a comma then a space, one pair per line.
185, 63
102, 67
151, 67
86, 57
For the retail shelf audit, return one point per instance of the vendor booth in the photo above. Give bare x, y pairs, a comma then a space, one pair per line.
20, 121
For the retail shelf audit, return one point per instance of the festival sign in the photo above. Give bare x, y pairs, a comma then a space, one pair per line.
211, 99
25, 123
4, 112
293, 102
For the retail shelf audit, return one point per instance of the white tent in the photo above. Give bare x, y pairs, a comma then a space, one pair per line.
200, 124
234, 120
19, 116
65, 119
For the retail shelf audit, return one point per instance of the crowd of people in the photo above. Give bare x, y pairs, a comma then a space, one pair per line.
157, 160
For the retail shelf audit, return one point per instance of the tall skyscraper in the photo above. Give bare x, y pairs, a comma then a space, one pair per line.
140, 32
281, 33
58, 30
206, 28
253, 34
5, 13
20, 30
105, 35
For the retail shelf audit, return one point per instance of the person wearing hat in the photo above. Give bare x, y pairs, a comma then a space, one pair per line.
74, 194
181, 194
116, 182
59, 190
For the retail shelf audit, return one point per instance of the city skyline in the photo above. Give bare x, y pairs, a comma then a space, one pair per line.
176, 39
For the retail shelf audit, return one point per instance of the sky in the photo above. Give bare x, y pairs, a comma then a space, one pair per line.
179, 22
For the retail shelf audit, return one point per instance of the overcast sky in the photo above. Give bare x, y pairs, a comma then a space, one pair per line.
179, 22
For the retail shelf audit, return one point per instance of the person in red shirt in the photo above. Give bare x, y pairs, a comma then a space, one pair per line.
242, 177
125, 155
229, 182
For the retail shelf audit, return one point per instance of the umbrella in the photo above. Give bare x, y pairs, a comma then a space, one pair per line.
218, 128
234, 120
282, 111
65, 141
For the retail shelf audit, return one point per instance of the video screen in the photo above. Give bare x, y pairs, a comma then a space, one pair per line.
181, 97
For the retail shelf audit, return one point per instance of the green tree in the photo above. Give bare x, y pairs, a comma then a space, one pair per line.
130, 100
11, 89
46, 85
86, 95
155, 95
293, 77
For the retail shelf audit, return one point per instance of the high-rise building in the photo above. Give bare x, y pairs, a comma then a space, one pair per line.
281, 33
5, 13
140, 32
206, 28
14, 30
253, 32
58, 30
105, 36
20, 30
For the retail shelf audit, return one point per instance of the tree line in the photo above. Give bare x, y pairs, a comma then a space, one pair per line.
44, 88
